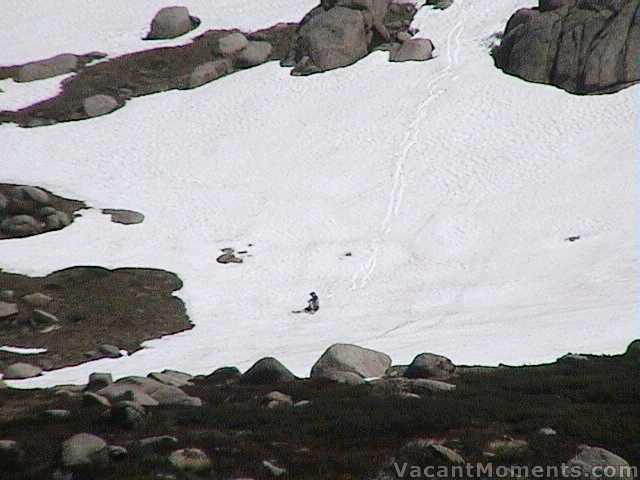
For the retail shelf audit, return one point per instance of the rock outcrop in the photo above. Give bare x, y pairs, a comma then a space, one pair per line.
350, 364
338, 33
582, 46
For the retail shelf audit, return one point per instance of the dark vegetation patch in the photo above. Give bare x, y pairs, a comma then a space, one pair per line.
348, 433
93, 306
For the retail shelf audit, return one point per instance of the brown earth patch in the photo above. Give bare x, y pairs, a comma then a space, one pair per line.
94, 306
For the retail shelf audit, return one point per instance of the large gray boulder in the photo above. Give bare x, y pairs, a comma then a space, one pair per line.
430, 365
355, 361
47, 68
83, 450
20, 370
582, 46
267, 370
330, 39
598, 463
171, 22
100, 104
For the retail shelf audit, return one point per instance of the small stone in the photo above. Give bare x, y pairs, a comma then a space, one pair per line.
124, 217
84, 449
97, 105
110, 351
191, 460
228, 258
8, 310
547, 431
117, 452
58, 414
37, 300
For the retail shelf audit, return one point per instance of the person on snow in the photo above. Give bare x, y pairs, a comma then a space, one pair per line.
313, 304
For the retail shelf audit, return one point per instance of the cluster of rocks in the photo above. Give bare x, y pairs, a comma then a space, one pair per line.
415, 455
582, 46
338, 33
55, 66
27, 210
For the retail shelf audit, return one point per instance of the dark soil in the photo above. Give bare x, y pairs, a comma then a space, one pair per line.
95, 306
346, 432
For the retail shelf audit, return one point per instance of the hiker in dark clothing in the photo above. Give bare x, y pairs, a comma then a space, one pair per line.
313, 304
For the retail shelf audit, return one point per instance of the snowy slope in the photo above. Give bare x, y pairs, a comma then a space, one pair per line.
452, 184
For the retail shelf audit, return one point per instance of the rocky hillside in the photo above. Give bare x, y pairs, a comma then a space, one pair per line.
581, 411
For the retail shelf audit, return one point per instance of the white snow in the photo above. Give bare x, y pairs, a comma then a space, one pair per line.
452, 184
22, 351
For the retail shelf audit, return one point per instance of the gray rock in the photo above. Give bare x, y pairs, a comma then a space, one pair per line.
207, 72
191, 460
595, 462
137, 397
92, 400
350, 359
429, 365
110, 351
43, 318
396, 371
21, 226
47, 68
406, 387
117, 452
228, 257
37, 195
224, 376
302, 403
171, 22
440, 4
254, 54
8, 310
581, 46
37, 300
100, 104
330, 39
267, 370
20, 370
98, 381
232, 44
124, 217
277, 399
84, 449
421, 452
128, 414
547, 431
164, 394
175, 379
57, 220
414, 49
